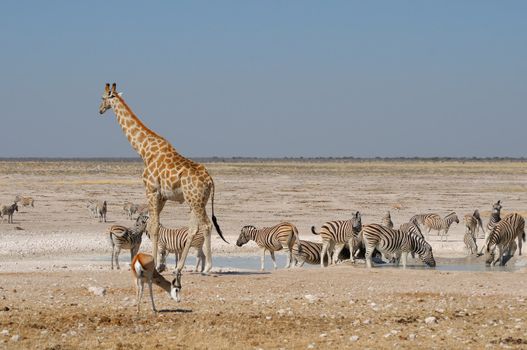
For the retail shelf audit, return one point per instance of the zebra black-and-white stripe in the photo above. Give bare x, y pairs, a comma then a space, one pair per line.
9, 211
335, 234
435, 222
495, 216
122, 237
278, 237
387, 220
396, 242
411, 228
518, 222
502, 237
173, 240
419, 219
473, 222
309, 252
470, 242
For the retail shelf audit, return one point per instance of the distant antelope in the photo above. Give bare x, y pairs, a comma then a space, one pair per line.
122, 237
143, 270
25, 201
435, 222
387, 220
8, 210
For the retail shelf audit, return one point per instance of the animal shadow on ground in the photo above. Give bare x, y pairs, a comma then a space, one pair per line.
182, 311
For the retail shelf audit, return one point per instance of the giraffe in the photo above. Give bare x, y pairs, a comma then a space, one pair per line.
167, 175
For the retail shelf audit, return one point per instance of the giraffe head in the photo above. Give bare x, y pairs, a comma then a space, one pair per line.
107, 97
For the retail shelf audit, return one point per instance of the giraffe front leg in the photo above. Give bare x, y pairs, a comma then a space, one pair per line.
155, 205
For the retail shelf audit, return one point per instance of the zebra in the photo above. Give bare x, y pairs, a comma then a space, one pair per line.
473, 222
387, 220
130, 209
435, 222
309, 252
91, 205
8, 210
25, 201
335, 234
517, 222
502, 237
101, 210
122, 237
419, 219
275, 238
173, 240
495, 217
470, 242
411, 228
397, 242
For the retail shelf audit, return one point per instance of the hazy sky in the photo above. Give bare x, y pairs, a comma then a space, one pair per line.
267, 78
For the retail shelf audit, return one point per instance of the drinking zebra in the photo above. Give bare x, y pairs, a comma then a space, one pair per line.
435, 222
122, 237
281, 236
173, 240
25, 201
387, 220
335, 234
309, 252
502, 238
8, 210
518, 222
396, 242
411, 228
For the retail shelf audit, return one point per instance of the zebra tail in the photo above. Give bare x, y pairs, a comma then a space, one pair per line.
214, 220
313, 231
523, 236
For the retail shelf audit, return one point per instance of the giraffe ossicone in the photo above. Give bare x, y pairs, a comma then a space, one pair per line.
167, 176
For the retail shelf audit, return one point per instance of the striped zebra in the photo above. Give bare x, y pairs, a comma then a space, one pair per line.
518, 222
387, 220
435, 222
173, 240
419, 219
396, 242
495, 217
25, 201
309, 252
9, 211
411, 228
122, 237
335, 234
278, 237
130, 209
101, 209
470, 242
502, 238
473, 222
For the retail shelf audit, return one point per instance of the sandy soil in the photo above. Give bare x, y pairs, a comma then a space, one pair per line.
55, 252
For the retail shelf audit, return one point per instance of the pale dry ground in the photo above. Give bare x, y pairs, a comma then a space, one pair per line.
54, 252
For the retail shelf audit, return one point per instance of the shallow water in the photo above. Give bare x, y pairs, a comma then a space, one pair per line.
252, 263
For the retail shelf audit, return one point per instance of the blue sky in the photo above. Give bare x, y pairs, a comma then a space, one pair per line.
267, 78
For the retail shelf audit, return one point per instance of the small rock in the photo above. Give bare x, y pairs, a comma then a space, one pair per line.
5, 308
354, 338
15, 338
311, 298
430, 320
99, 291
323, 335
311, 345
4, 332
411, 336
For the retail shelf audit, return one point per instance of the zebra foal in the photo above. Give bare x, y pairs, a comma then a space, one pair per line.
275, 238
335, 234
122, 237
395, 242
435, 222
173, 240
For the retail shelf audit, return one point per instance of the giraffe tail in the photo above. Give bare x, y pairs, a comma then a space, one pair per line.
214, 220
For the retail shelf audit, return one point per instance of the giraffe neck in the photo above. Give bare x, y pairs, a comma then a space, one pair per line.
137, 133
